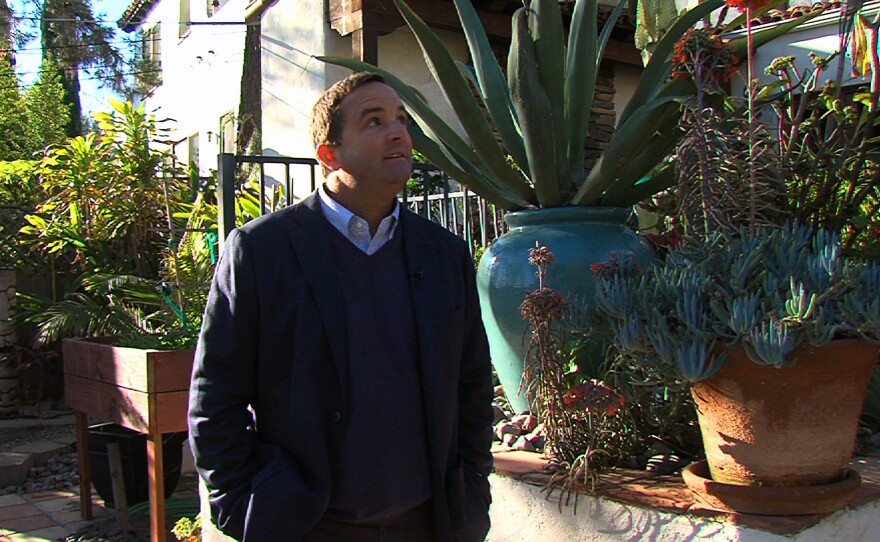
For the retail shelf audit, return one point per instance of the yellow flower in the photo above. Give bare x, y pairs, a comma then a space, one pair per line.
861, 56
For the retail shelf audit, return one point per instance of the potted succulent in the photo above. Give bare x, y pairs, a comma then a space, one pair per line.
777, 332
773, 324
541, 114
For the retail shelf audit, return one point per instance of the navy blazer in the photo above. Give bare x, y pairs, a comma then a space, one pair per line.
268, 410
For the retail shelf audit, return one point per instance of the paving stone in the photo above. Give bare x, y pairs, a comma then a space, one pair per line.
59, 504
10, 500
29, 523
42, 535
14, 468
64, 517
41, 451
48, 496
8, 513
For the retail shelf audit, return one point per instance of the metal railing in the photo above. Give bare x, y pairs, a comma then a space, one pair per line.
431, 193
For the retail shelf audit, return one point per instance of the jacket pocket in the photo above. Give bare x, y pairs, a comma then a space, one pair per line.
469, 497
283, 498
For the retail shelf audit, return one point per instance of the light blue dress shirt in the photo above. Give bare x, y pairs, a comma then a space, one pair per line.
355, 228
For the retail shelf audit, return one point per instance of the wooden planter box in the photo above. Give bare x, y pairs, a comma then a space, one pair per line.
135, 388
144, 390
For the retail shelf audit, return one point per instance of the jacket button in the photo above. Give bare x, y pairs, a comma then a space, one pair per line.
337, 417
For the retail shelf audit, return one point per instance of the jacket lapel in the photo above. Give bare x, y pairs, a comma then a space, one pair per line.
315, 256
421, 267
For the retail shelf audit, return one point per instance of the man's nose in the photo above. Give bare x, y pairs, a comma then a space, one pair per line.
397, 131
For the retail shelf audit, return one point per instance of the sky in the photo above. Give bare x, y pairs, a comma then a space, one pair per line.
92, 96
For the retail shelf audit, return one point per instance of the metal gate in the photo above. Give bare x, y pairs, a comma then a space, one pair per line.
283, 180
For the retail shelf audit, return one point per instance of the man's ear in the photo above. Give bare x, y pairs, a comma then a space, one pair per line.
327, 157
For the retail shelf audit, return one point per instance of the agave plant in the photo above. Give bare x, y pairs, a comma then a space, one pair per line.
541, 110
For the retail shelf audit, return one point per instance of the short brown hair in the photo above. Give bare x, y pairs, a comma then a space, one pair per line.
326, 121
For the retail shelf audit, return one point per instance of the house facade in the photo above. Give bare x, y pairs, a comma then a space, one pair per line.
199, 47
195, 52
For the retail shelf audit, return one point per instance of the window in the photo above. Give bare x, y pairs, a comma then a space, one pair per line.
185, 18
227, 133
213, 6
192, 147
149, 74
152, 52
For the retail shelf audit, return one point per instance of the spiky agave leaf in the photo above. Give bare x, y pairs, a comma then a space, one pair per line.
492, 84
459, 95
533, 107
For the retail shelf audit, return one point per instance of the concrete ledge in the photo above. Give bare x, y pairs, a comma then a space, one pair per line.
14, 428
633, 506
41, 451
521, 511
14, 468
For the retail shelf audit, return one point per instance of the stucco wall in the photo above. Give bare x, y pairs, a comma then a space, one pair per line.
295, 32
292, 34
626, 78
521, 511
201, 73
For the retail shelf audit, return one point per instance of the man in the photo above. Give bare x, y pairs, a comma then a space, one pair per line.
342, 388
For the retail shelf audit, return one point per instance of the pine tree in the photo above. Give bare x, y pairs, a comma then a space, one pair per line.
47, 112
72, 39
13, 119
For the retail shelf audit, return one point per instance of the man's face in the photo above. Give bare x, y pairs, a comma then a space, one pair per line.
376, 150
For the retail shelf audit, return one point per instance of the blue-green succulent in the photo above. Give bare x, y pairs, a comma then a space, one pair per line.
767, 289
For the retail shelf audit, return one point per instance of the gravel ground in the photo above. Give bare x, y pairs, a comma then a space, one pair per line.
61, 473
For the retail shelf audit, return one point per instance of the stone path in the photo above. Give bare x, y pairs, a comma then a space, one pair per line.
39, 489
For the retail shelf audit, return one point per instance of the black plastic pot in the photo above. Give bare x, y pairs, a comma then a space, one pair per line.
133, 451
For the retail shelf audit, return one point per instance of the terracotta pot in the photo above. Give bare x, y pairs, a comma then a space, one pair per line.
771, 500
785, 427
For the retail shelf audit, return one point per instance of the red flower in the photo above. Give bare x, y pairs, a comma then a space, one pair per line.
543, 305
541, 255
743, 5
593, 397
702, 55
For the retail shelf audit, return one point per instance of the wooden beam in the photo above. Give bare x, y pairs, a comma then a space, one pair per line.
623, 51
379, 17
346, 16
365, 45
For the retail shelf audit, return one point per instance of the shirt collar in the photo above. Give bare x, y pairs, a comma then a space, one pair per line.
340, 218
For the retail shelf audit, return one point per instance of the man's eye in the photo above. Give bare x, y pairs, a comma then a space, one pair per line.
374, 121
405, 120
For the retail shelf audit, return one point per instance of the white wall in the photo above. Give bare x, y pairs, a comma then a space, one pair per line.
201, 72
626, 78
818, 35
292, 34
521, 511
